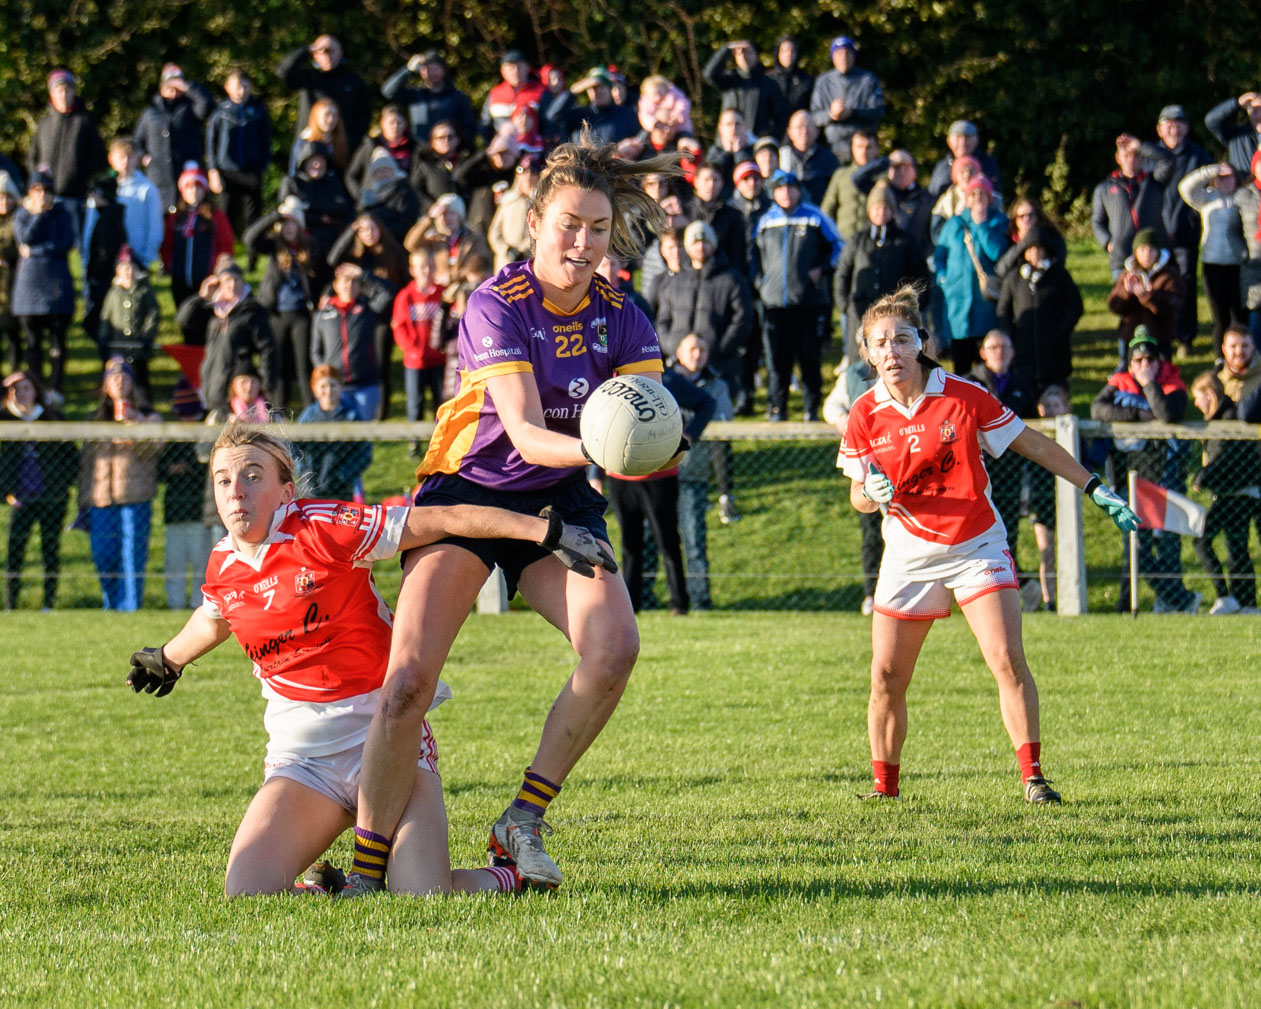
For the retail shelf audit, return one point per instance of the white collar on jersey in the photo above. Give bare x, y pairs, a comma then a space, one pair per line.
228, 544
934, 386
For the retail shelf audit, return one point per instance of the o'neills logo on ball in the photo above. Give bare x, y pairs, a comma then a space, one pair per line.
645, 409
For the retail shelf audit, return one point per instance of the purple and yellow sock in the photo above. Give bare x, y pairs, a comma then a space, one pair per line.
372, 851
536, 794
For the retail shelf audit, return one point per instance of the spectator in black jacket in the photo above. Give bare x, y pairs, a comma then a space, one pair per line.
747, 88
713, 209
876, 261
963, 142
387, 195
393, 137
292, 281
67, 143
343, 335
35, 479
1131, 198
328, 206
189, 537
434, 101
1039, 305
170, 131
1240, 138
709, 298
808, 159
1231, 472
793, 82
320, 71
608, 122
1182, 224
238, 151
99, 249
733, 145
237, 332
434, 163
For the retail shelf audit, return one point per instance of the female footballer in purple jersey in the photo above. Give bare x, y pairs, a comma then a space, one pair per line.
534, 342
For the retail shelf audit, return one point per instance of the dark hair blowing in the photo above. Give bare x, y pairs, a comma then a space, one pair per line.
595, 168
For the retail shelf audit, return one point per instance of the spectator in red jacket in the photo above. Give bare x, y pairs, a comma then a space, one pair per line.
518, 87
418, 330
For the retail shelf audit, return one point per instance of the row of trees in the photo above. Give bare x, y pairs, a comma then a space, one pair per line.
1037, 75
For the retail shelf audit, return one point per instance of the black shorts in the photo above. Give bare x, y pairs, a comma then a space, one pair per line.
573, 497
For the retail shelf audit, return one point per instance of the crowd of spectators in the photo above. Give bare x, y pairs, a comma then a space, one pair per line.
784, 226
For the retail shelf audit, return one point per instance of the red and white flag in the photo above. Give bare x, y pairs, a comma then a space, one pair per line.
1165, 509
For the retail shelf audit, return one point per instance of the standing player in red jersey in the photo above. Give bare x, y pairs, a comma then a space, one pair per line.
293, 581
913, 449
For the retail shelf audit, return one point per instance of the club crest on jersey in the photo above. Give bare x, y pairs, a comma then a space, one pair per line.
947, 432
304, 582
601, 327
346, 515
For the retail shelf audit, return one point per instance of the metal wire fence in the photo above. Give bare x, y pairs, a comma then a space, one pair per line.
98, 516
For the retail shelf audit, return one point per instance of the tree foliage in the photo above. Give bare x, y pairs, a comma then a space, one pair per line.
1037, 75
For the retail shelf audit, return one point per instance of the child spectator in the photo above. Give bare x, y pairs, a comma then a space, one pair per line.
292, 280
189, 539
474, 273
330, 469
238, 150
43, 291
1230, 471
129, 318
10, 333
245, 396
104, 234
35, 478
342, 336
1149, 293
197, 234
418, 331
118, 482
691, 362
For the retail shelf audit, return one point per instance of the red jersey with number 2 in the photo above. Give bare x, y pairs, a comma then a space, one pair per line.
306, 610
931, 451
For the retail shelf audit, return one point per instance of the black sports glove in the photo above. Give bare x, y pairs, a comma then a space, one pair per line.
150, 673
574, 547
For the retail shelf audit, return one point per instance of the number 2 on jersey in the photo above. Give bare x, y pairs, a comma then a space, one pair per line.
570, 345
913, 441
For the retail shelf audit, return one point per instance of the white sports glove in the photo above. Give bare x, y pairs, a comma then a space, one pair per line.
877, 487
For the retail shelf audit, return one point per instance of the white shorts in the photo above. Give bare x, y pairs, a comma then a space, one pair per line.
924, 594
336, 775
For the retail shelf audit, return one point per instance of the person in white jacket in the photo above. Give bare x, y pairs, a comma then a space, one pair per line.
1211, 191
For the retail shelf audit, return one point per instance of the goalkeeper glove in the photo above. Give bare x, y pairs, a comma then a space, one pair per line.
877, 487
574, 546
1112, 503
150, 672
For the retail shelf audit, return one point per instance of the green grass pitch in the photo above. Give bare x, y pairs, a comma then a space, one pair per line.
714, 852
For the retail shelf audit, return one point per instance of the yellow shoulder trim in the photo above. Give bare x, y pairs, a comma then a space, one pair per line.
494, 370
641, 368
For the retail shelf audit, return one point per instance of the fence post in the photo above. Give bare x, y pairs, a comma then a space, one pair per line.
493, 596
1070, 546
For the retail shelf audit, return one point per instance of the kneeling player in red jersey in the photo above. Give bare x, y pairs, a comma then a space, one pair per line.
293, 581
913, 449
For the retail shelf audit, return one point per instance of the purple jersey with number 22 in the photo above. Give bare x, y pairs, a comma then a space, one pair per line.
509, 327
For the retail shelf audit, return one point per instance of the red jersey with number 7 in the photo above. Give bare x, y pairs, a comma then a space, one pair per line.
306, 609
931, 450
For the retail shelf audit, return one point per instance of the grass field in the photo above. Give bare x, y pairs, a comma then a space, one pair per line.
713, 849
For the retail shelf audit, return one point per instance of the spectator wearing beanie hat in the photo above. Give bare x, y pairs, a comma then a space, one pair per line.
1148, 292
170, 132
43, 290
846, 98
197, 234
189, 537
67, 141
1182, 224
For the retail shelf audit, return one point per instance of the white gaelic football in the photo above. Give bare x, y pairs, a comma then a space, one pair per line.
631, 425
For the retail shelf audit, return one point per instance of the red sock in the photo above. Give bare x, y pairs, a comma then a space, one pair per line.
1029, 755
886, 776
